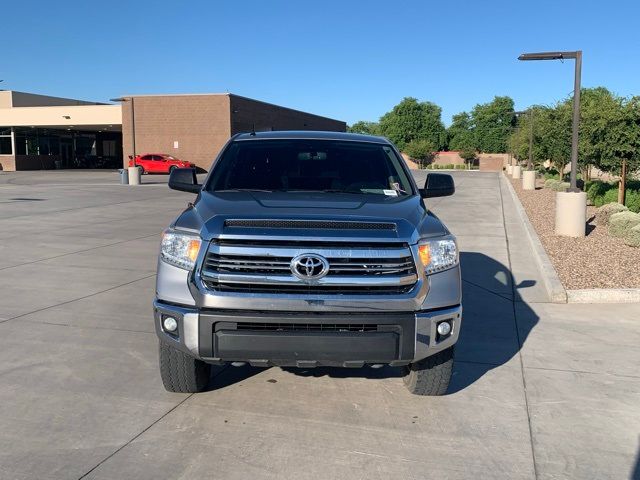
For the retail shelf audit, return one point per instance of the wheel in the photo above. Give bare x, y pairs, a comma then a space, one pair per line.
142, 171
172, 168
431, 375
181, 372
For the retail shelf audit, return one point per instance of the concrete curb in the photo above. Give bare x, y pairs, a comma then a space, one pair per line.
557, 293
604, 295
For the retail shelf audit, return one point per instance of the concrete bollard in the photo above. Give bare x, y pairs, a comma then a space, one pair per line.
134, 176
571, 214
516, 172
529, 180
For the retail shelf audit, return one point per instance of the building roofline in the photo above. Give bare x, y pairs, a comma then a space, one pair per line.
285, 108
228, 94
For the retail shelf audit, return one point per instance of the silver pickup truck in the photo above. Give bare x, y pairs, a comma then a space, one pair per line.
307, 249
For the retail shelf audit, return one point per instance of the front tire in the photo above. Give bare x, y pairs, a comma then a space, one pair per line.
182, 373
431, 375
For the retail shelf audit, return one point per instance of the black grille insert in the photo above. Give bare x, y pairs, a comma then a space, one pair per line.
307, 327
321, 224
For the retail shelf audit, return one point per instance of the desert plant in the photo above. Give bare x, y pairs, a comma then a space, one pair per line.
604, 212
548, 183
632, 237
620, 223
560, 186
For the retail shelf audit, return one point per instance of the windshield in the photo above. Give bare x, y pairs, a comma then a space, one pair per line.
310, 165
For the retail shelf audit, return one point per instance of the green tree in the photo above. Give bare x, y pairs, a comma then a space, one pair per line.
414, 120
612, 131
421, 150
368, 128
468, 155
492, 124
460, 132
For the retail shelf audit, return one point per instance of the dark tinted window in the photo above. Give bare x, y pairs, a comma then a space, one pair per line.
310, 165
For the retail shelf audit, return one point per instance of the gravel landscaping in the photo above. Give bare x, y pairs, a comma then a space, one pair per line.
596, 261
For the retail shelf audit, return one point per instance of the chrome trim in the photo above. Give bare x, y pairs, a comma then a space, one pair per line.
303, 267
343, 281
277, 251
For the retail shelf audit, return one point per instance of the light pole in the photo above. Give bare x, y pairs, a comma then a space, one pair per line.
571, 207
577, 55
134, 172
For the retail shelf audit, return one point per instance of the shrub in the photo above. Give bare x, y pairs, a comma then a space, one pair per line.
632, 200
550, 182
632, 237
604, 212
560, 186
595, 190
620, 223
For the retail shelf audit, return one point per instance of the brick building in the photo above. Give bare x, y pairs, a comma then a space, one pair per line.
42, 132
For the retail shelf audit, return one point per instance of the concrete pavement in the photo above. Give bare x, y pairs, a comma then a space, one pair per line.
539, 390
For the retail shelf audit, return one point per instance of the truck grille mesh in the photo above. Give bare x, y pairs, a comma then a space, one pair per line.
354, 269
339, 266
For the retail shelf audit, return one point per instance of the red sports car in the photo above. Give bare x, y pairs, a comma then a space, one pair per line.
157, 163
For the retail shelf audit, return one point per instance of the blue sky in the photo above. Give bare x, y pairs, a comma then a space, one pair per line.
345, 59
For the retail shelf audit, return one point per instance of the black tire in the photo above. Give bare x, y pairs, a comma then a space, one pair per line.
181, 372
431, 375
172, 168
142, 171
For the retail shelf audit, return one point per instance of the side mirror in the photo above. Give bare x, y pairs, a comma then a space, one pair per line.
184, 179
438, 185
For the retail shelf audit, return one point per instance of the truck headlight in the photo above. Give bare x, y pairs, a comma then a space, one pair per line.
180, 249
438, 255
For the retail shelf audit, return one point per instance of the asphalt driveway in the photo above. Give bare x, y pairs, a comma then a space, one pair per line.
539, 390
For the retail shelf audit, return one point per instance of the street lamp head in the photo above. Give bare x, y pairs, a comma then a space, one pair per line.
549, 55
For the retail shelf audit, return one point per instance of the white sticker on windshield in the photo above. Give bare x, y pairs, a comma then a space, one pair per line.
391, 193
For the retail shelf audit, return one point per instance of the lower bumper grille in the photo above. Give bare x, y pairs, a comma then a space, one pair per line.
307, 327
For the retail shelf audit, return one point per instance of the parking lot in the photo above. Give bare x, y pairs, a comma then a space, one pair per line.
540, 390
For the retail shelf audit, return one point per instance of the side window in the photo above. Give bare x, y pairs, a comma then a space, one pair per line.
156, 157
146, 157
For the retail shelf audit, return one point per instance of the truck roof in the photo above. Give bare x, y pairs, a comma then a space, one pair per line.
311, 135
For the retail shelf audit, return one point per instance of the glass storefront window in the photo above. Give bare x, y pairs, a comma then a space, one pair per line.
5, 141
5, 145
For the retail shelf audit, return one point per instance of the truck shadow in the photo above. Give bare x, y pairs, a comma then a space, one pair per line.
490, 335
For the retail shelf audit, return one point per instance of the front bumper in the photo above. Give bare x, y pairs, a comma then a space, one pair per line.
307, 339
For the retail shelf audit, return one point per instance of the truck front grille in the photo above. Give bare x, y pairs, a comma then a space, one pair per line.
354, 269
338, 266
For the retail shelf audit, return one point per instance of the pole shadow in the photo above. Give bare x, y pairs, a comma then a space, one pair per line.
490, 335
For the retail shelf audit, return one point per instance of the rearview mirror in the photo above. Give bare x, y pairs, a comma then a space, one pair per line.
438, 185
184, 179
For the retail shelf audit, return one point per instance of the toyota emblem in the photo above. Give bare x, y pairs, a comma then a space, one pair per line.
309, 266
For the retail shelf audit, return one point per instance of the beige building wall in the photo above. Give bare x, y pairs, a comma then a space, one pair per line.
493, 162
190, 127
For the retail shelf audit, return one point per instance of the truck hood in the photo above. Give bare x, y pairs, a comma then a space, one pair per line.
211, 212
